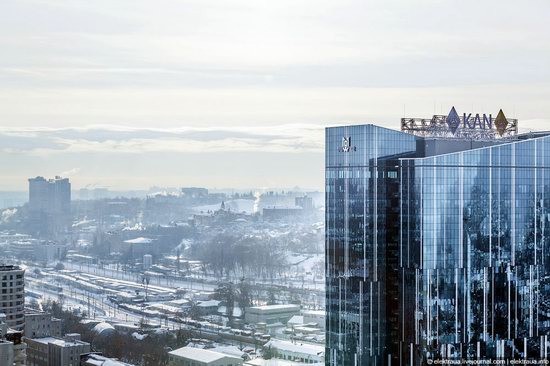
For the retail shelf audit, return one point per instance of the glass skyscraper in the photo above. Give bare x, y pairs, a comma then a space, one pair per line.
436, 247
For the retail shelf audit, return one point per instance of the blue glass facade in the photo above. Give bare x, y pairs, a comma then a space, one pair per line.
443, 256
362, 241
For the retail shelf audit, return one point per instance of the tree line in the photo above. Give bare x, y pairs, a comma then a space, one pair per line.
259, 256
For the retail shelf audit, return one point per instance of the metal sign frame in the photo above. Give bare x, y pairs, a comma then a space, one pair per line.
454, 127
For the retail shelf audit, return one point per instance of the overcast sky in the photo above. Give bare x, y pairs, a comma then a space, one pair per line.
236, 93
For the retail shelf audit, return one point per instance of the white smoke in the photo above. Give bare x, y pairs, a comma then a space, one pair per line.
69, 173
7, 214
257, 196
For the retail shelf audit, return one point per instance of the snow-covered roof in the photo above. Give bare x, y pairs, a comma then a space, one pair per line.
229, 350
277, 362
276, 307
179, 302
304, 348
58, 341
208, 303
104, 361
139, 336
296, 319
314, 312
164, 307
103, 327
140, 240
198, 354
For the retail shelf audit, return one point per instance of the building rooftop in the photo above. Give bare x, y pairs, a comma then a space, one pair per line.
306, 348
59, 342
6, 268
208, 303
314, 312
296, 319
53, 180
199, 354
99, 360
277, 362
103, 327
276, 307
140, 240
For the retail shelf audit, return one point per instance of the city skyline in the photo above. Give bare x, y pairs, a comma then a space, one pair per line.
106, 156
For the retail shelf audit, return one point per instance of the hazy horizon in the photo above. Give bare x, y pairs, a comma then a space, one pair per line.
130, 94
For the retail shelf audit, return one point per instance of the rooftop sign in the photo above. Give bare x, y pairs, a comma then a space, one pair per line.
467, 125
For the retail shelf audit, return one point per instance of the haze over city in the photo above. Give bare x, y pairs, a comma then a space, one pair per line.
274, 183
132, 94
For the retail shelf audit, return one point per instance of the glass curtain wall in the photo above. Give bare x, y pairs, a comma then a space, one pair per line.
474, 266
362, 241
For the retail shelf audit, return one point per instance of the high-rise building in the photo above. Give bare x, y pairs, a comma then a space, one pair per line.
437, 241
12, 298
49, 205
50, 195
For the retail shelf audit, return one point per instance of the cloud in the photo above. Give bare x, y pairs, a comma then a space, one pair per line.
208, 43
69, 173
129, 140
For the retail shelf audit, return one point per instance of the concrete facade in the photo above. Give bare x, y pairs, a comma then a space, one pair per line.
12, 296
49, 351
40, 324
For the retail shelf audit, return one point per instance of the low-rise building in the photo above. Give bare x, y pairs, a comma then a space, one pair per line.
6, 352
38, 250
295, 321
138, 247
315, 316
277, 362
96, 359
298, 352
39, 324
208, 307
189, 356
12, 348
271, 314
49, 351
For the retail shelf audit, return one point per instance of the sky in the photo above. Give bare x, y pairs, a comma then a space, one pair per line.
129, 94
